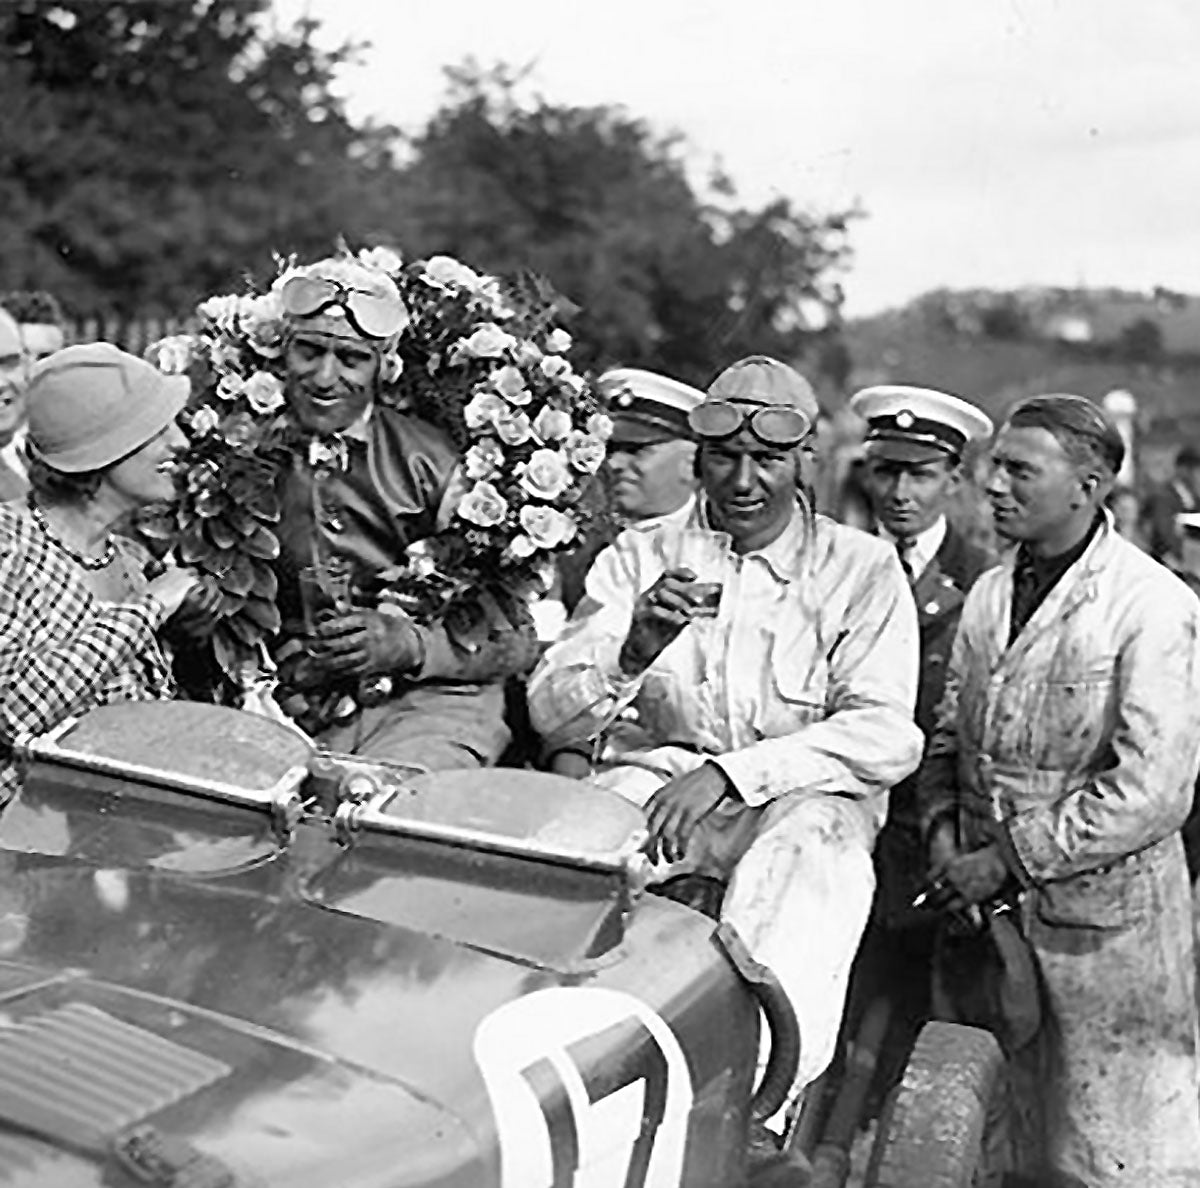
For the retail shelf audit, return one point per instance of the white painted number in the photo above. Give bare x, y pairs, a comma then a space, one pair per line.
590, 1089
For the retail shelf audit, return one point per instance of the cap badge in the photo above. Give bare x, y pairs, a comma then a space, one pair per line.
905, 419
624, 400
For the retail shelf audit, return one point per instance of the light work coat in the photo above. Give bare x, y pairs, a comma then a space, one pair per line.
1076, 750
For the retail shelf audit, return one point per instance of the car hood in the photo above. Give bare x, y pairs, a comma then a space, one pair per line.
279, 1036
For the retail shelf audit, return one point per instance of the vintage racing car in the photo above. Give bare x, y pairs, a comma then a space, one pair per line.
228, 960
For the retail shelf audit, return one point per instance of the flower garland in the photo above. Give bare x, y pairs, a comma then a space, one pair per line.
480, 358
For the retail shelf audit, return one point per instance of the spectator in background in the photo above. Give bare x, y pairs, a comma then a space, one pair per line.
651, 461
13, 482
853, 500
41, 320
652, 483
914, 447
1181, 494
78, 613
1127, 515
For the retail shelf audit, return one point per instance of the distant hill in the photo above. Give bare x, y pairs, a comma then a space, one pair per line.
996, 347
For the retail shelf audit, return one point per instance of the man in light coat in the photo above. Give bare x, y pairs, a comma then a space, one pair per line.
1061, 771
762, 727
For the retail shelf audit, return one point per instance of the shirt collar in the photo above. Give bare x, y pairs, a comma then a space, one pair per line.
360, 429
784, 556
924, 546
1050, 569
680, 515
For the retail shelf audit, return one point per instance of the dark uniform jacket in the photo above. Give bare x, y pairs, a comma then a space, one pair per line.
939, 591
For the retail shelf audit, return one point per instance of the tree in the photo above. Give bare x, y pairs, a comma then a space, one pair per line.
1141, 342
152, 152
596, 201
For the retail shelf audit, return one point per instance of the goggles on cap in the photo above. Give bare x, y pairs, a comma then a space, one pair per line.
771, 424
371, 315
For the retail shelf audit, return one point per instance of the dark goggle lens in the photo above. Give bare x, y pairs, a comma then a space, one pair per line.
376, 317
774, 426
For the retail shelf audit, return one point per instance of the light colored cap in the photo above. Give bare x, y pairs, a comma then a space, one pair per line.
10, 335
759, 379
647, 407
910, 424
91, 405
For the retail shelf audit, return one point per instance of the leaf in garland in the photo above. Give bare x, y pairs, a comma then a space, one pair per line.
217, 562
262, 543
221, 534
241, 521
239, 577
208, 504
192, 545
243, 628
231, 604
264, 504
231, 653
264, 613
158, 525
266, 585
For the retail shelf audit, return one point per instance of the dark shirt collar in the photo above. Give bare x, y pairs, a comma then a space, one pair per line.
1034, 577
1050, 569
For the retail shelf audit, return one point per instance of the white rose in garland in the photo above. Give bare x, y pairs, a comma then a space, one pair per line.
484, 460
546, 526
483, 505
552, 424
585, 452
264, 392
545, 475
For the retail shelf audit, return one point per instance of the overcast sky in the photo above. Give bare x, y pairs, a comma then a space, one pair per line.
991, 143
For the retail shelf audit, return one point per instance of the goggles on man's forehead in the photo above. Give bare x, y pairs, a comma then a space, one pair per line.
771, 424
371, 315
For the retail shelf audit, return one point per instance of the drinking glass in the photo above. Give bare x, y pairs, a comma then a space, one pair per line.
706, 554
323, 588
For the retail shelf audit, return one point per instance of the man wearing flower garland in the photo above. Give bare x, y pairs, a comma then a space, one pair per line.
768, 722
368, 482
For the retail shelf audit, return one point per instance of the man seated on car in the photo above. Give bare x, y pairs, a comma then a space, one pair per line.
761, 731
368, 482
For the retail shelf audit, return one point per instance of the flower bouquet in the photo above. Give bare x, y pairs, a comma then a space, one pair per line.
480, 357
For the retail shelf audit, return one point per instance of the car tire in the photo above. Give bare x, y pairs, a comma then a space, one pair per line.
945, 1124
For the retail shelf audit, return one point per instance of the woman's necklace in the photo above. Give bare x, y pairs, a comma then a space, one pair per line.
90, 563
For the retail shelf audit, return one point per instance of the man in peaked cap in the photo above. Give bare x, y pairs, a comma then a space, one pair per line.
652, 464
652, 451
651, 460
761, 731
912, 469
